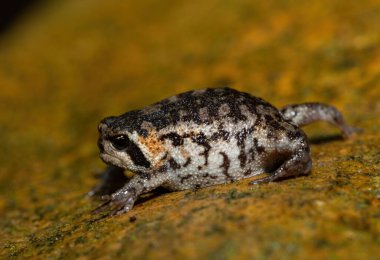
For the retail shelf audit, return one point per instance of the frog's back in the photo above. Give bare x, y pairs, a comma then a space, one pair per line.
201, 107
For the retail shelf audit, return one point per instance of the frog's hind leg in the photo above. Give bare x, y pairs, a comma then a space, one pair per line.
296, 163
306, 113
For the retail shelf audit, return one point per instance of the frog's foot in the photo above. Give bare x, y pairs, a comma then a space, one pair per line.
297, 164
118, 203
112, 179
286, 170
123, 200
350, 131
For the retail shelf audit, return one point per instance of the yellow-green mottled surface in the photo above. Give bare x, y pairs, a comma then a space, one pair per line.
68, 64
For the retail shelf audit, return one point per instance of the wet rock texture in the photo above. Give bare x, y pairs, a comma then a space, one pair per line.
68, 64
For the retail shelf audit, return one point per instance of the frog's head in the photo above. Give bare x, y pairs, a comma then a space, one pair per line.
122, 147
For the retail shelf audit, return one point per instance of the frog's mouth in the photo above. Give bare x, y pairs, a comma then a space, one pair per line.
109, 159
106, 156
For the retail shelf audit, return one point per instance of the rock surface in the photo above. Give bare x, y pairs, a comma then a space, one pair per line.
70, 63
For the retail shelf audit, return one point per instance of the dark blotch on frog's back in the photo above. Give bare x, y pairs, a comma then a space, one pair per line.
185, 108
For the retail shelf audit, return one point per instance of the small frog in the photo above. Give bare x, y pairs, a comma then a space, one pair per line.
205, 137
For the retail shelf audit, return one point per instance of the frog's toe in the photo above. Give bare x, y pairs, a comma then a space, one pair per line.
102, 207
122, 207
350, 131
117, 203
263, 180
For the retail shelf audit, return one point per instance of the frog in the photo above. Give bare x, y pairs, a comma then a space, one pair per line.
205, 137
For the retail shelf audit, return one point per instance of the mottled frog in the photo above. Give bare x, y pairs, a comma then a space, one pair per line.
205, 137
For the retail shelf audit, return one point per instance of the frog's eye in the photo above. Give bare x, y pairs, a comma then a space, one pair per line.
124, 144
120, 142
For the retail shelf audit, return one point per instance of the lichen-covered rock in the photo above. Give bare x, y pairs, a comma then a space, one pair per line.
68, 64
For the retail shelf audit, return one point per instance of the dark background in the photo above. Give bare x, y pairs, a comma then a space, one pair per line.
11, 10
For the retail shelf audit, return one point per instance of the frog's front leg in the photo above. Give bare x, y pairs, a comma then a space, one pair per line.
306, 113
123, 200
112, 179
